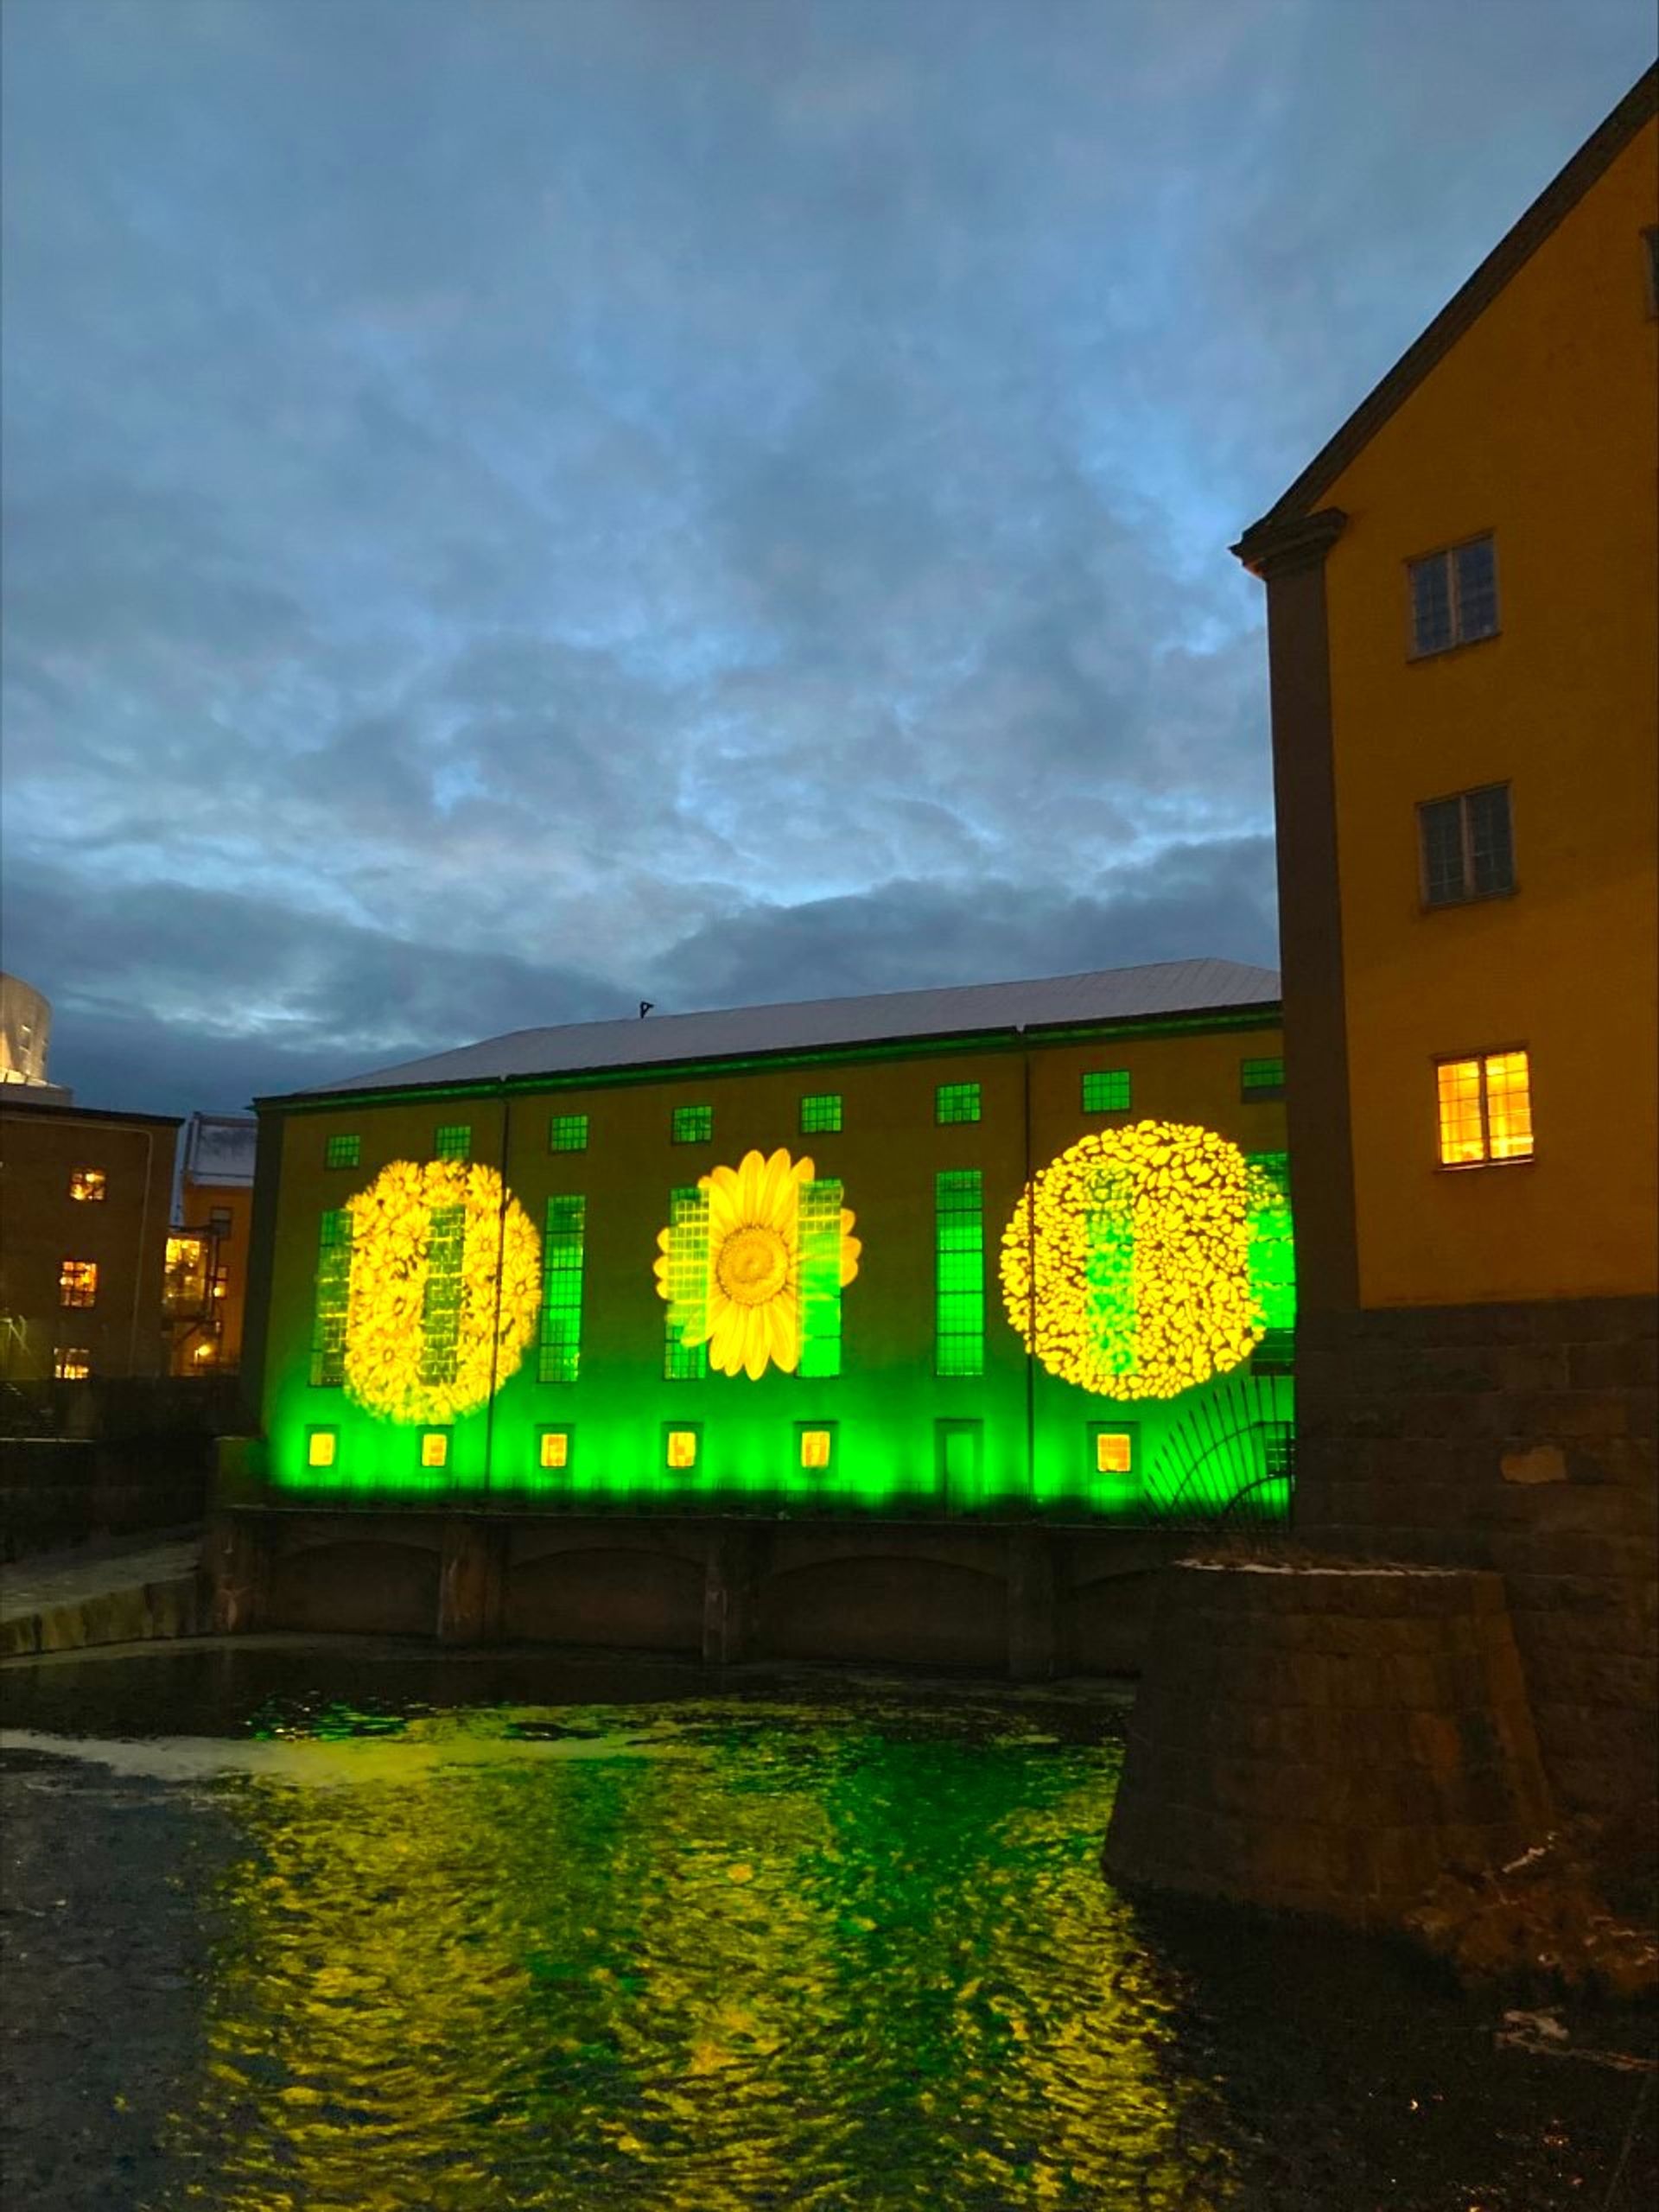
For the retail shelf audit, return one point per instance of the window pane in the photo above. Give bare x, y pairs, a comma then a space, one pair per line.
1490, 849
454, 1140
956, 1101
1431, 605
1441, 827
821, 1113
1106, 1091
568, 1133
342, 1151
1477, 589
693, 1124
1461, 1138
1508, 1105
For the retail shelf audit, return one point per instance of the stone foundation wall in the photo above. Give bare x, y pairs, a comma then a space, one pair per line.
1521, 1438
1326, 1740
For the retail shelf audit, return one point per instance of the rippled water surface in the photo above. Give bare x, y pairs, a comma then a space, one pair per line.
332, 1929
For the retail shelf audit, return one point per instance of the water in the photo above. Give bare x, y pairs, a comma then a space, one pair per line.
369, 1930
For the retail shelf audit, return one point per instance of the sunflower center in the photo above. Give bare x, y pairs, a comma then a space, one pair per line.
753, 1265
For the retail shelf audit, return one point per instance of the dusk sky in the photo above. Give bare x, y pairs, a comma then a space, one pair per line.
511, 510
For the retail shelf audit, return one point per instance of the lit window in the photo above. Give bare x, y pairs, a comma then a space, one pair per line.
1105, 1090
1485, 1109
821, 1113
817, 1446
1261, 1080
204, 1355
1453, 597
342, 1151
72, 1364
1467, 846
78, 1282
554, 1453
563, 1255
956, 1101
568, 1133
87, 1184
453, 1141
693, 1124
688, 1214
959, 1272
681, 1448
185, 1275
321, 1446
1114, 1452
434, 1447
333, 1283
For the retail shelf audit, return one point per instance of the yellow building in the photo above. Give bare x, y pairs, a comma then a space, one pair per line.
208, 1256
1463, 596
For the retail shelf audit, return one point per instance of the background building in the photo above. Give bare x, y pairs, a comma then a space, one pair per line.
208, 1256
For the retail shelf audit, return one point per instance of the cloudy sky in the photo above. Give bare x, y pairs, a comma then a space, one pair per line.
512, 509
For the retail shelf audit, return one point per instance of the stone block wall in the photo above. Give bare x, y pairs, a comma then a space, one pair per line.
1521, 1438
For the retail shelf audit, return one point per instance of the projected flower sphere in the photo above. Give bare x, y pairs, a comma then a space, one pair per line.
730, 1269
425, 1338
1125, 1265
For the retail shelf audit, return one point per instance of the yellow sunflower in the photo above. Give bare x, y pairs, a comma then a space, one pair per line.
729, 1267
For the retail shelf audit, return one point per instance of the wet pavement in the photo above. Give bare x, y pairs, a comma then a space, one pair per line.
371, 1928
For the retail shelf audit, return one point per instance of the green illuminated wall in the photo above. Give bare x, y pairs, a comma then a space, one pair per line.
868, 1294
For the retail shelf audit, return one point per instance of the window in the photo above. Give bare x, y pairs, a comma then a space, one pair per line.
453, 1141
72, 1364
186, 1275
1261, 1080
1467, 846
446, 1237
434, 1447
88, 1184
956, 1101
321, 1447
562, 1271
78, 1282
693, 1124
334, 1288
1105, 1090
1453, 597
1111, 1448
680, 1447
568, 1133
821, 1113
818, 1276
959, 1262
688, 1214
342, 1151
1485, 1109
815, 1446
553, 1451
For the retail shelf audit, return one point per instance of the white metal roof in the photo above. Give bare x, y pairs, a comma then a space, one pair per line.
1168, 987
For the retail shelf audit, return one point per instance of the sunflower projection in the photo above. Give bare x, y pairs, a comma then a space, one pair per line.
427, 1337
753, 1267
1126, 1266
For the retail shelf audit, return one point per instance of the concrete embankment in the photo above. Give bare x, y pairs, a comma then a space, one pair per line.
116, 1593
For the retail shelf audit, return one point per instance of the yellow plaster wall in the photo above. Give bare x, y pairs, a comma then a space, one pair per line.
1540, 426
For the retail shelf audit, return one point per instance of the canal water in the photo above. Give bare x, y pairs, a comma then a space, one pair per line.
370, 1929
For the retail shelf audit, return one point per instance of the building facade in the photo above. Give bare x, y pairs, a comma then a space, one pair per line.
208, 1254
1463, 595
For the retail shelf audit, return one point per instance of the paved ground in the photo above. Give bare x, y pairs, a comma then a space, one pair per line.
121, 1588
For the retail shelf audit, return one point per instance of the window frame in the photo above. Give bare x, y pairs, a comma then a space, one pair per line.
831, 1465
62, 1371
673, 1428
1480, 1055
91, 1197
1130, 1432
1448, 553
1124, 1076
343, 1150
944, 1121
69, 1300
451, 1130
702, 1135
560, 1124
444, 1433
1260, 1094
1466, 897
828, 1101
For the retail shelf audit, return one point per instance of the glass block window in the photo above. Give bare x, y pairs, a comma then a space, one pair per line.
693, 1124
77, 1283
446, 1237
959, 1262
680, 1448
956, 1101
562, 1271
553, 1451
815, 1446
434, 1447
321, 1447
453, 1141
1111, 1448
821, 1113
819, 1233
568, 1133
72, 1364
688, 1306
342, 1151
1485, 1109
88, 1184
1261, 1080
1105, 1090
1467, 846
332, 1293
1453, 597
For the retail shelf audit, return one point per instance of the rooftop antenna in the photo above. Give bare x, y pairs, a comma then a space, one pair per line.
645, 1006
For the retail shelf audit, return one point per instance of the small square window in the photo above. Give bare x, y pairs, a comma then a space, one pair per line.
1467, 845
454, 1140
88, 1184
1105, 1090
693, 1124
321, 1445
568, 1133
72, 1364
1261, 1080
821, 1113
553, 1452
220, 1221
816, 1446
1485, 1109
955, 1103
1111, 1448
342, 1151
1453, 597
434, 1447
78, 1282
680, 1447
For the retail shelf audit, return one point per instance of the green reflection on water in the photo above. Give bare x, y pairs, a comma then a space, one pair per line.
689, 1958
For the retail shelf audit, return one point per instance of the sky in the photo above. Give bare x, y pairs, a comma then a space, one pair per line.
511, 509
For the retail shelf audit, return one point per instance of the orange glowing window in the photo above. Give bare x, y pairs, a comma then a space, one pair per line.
434, 1447
78, 1282
555, 1447
681, 1447
320, 1447
72, 1364
814, 1447
88, 1183
1485, 1109
1113, 1452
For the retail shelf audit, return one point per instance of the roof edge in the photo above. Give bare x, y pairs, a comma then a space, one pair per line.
1517, 246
